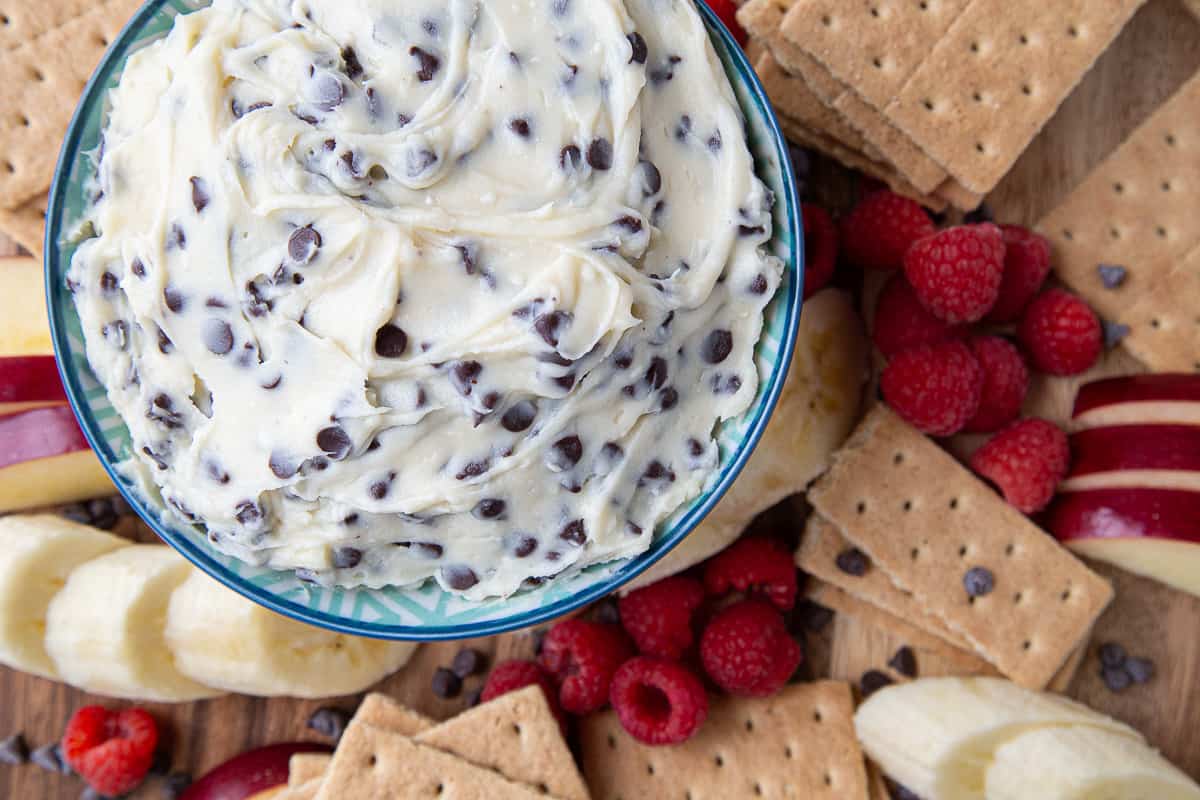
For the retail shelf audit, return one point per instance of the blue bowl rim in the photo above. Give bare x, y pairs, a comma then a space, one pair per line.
565, 605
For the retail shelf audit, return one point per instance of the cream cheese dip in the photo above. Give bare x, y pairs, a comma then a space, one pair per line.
450, 289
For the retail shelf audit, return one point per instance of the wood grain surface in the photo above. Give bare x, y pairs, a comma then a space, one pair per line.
1154, 55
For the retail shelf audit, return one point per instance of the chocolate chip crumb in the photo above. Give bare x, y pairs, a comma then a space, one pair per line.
329, 722
1116, 678
872, 681
50, 758
14, 750
979, 582
600, 154
904, 662
346, 557
1141, 670
853, 562
445, 683
468, 662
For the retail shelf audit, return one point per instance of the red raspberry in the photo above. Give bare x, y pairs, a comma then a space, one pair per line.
754, 564
727, 11
658, 702
1005, 383
582, 657
1061, 333
881, 228
508, 676
747, 650
1026, 265
1027, 460
658, 617
937, 388
820, 249
957, 273
902, 323
110, 750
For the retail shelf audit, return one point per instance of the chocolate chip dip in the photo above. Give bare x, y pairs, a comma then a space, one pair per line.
449, 289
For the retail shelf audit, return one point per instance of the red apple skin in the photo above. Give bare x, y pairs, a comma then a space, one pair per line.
1127, 447
30, 379
251, 772
1164, 387
40, 433
1126, 514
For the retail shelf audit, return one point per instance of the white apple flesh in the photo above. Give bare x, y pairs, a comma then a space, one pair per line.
45, 460
1163, 399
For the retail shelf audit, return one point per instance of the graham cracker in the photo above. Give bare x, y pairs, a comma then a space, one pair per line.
26, 224
925, 520
798, 744
384, 712
305, 767
22, 20
1164, 323
997, 77
44, 77
373, 763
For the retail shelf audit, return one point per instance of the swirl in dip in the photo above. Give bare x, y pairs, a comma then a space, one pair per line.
451, 289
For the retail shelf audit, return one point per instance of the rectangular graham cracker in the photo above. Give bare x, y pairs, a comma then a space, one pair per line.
23, 20
373, 763
1164, 323
44, 77
26, 224
997, 77
384, 712
925, 520
798, 744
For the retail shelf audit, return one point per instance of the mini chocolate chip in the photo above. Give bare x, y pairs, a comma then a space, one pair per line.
14, 750
982, 214
428, 63
1141, 670
109, 282
1112, 654
574, 532
460, 578
629, 223
640, 50
176, 784
759, 284
519, 417
668, 398
282, 466
683, 129
564, 454
1112, 276
380, 488
445, 683
550, 326
623, 360
651, 179
565, 382
904, 662
390, 341
173, 298
1114, 333
600, 154
656, 471
746, 231
523, 545
50, 758
979, 581
464, 375
489, 508
1116, 678
354, 67
176, 238
334, 442
812, 616
474, 469
218, 336
329, 93
520, 126
853, 562
872, 681
303, 244
570, 159
716, 346
329, 722
346, 557
161, 763
248, 512
200, 198
656, 373
468, 662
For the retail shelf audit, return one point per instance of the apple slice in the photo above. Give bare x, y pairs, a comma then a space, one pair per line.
1171, 561
1130, 513
253, 774
1139, 399
26, 329
45, 460
29, 382
1127, 447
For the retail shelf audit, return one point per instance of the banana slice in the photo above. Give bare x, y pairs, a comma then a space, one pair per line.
937, 736
1083, 764
221, 639
104, 630
37, 553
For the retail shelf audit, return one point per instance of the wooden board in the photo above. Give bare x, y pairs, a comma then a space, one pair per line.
1155, 55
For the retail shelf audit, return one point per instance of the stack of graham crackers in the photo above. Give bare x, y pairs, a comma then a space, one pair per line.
48, 50
905, 537
937, 98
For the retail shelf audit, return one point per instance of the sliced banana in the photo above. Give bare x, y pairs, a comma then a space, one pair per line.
222, 639
37, 553
104, 630
937, 736
1083, 764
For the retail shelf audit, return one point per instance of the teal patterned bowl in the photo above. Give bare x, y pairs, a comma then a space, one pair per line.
425, 612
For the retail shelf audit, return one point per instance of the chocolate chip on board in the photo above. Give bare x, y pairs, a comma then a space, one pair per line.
14, 750
1141, 670
979, 581
1114, 333
473, 697
1112, 654
330, 722
904, 662
1112, 275
176, 784
853, 562
899, 792
813, 617
468, 662
445, 683
872, 681
50, 758
1115, 678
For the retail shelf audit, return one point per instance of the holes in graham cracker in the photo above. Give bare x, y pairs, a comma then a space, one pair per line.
758, 790
877, 62
1010, 551
516, 728
749, 725
1027, 645
817, 716
649, 769
439, 790
1023, 39
719, 760
36, 74
875, 12
788, 753
915, 553
963, 551
4, 20
954, 504
1066, 595
612, 742
1026, 90
372, 760
1073, 31
9, 167
980, 148
898, 459
928, 104
1017, 598
827, 21
1068, 234
1160, 232
861, 508
1119, 187
1166, 186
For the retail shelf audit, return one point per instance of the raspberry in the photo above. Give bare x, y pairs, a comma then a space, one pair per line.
1026, 265
658, 617
937, 388
902, 323
820, 249
1027, 460
727, 11
110, 750
881, 228
1005, 383
658, 702
957, 273
1061, 333
582, 657
756, 565
508, 676
747, 650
